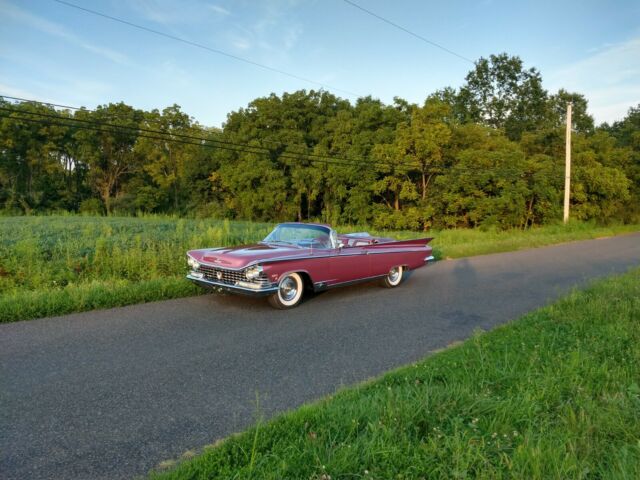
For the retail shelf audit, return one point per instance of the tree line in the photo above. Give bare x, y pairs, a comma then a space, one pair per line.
490, 153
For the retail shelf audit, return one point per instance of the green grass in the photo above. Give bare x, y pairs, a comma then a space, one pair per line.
51, 265
465, 243
555, 394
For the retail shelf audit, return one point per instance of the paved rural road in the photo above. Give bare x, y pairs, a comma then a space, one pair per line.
110, 394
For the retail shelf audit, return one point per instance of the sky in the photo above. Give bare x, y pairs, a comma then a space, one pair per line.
51, 52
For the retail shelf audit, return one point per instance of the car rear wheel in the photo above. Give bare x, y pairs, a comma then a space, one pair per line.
394, 277
289, 294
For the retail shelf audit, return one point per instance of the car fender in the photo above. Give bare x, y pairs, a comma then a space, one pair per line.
276, 271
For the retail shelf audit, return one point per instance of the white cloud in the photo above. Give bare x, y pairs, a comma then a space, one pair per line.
291, 36
241, 44
178, 75
272, 35
107, 53
51, 28
219, 9
170, 13
154, 10
609, 78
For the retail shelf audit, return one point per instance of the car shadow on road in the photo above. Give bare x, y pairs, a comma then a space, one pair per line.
464, 274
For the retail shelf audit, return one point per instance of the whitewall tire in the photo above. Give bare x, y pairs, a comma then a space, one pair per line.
290, 291
394, 277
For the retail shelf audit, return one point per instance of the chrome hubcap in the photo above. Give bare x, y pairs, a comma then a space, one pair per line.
288, 289
394, 274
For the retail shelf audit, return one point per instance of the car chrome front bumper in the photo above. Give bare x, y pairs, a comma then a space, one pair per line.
246, 289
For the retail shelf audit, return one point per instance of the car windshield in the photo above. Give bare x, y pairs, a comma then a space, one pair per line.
310, 236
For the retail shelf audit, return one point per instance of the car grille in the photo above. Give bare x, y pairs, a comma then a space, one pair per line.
230, 277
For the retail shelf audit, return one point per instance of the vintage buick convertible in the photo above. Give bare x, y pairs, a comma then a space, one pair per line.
299, 256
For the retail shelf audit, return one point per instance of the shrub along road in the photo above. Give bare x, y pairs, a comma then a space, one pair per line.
110, 394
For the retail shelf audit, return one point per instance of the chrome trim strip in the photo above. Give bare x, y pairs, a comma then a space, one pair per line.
430, 258
232, 287
348, 282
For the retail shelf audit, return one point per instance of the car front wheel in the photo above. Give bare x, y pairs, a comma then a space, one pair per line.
289, 294
394, 277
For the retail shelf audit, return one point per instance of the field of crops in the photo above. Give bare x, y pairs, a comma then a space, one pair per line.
58, 264
50, 265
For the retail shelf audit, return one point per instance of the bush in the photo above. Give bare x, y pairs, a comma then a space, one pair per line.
91, 206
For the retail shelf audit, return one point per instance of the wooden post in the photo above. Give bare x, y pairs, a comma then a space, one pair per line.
567, 166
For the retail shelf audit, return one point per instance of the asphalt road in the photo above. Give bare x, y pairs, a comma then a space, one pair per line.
111, 393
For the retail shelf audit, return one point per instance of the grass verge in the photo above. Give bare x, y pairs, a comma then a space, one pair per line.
465, 243
91, 296
52, 265
553, 395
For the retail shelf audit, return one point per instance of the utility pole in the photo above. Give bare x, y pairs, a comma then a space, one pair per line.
567, 166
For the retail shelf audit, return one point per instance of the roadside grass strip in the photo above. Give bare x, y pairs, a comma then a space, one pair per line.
555, 394
58, 264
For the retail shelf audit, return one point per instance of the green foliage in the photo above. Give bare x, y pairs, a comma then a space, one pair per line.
627, 135
500, 93
553, 395
91, 206
488, 154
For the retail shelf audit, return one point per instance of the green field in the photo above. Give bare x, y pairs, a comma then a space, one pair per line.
554, 395
51, 265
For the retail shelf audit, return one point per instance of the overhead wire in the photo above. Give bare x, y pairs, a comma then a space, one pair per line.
222, 144
232, 146
64, 122
205, 47
287, 152
406, 30
278, 144
46, 122
170, 136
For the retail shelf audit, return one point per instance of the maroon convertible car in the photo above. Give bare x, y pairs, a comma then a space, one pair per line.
295, 256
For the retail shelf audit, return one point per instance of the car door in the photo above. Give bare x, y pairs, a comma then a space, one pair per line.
348, 264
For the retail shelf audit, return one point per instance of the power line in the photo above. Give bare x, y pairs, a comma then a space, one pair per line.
46, 122
184, 139
119, 115
204, 47
103, 113
163, 136
29, 100
170, 136
406, 30
64, 122
279, 144
221, 144
287, 153
115, 115
235, 147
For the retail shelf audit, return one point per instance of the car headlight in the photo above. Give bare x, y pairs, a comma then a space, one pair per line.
193, 263
253, 272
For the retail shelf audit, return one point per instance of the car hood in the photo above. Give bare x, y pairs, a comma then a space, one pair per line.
242, 256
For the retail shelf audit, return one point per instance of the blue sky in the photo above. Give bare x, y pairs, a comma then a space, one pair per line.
54, 53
